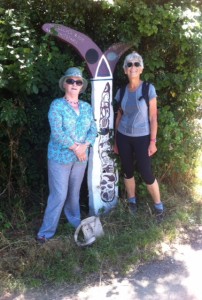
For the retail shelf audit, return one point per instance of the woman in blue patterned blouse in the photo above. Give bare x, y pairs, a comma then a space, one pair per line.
73, 130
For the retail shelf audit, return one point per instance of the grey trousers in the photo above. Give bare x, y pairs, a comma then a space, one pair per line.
64, 189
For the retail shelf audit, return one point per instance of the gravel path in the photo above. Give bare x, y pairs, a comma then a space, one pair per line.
177, 275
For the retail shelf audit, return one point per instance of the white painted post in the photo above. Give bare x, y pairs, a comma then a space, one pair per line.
102, 173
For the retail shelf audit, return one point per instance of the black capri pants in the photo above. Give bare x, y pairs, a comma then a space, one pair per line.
135, 148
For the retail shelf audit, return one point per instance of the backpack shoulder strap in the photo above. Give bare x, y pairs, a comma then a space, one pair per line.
117, 105
145, 92
122, 92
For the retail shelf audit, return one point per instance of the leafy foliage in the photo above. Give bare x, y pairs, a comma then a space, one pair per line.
167, 34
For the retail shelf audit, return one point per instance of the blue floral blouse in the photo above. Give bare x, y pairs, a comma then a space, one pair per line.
67, 128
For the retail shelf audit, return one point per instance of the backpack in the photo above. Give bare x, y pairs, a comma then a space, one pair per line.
145, 94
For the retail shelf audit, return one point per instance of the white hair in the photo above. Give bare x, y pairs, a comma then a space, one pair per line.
131, 57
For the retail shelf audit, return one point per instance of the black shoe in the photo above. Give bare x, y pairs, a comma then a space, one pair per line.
41, 239
132, 208
159, 214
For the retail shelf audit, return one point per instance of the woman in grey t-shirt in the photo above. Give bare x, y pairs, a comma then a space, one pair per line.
136, 133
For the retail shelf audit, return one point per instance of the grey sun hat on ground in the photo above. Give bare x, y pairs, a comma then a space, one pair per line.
73, 72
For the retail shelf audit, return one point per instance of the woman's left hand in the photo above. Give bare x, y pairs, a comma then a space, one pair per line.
82, 157
152, 148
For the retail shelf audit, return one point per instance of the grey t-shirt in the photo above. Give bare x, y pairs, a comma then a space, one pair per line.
134, 121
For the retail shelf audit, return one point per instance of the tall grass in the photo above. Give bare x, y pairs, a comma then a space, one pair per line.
128, 241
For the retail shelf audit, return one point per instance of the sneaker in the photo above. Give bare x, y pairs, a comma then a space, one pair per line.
159, 214
41, 239
132, 208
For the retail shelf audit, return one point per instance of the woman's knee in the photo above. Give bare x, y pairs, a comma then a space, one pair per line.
128, 175
58, 193
148, 179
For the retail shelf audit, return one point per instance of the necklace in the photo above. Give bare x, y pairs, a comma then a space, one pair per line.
72, 102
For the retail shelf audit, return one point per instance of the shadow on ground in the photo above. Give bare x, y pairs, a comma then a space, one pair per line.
177, 275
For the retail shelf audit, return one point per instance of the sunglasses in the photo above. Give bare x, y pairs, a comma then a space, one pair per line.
136, 64
72, 81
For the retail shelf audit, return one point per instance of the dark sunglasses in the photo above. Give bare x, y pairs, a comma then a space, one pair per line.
136, 64
72, 81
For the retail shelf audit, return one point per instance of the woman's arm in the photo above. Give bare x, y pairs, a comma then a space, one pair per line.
118, 118
153, 126
92, 132
80, 150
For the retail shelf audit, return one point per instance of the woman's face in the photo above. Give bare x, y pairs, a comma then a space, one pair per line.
73, 85
133, 69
